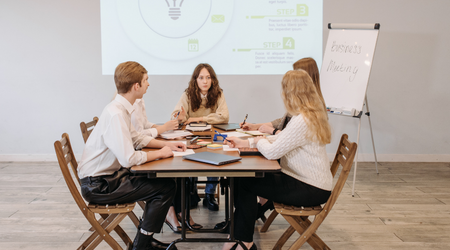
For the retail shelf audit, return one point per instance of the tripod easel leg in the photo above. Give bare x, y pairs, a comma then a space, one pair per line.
356, 159
371, 134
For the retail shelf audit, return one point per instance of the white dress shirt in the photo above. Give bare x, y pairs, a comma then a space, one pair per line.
140, 121
113, 141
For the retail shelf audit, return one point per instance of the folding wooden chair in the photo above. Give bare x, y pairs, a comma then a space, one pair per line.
86, 128
298, 216
268, 221
112, 214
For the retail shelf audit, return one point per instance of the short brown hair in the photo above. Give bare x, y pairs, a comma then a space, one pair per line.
127, 74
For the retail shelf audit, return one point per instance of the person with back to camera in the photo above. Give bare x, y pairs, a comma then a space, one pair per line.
110, 152
305, 178
276, 126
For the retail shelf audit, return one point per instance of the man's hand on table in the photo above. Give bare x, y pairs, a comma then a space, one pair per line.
176, 146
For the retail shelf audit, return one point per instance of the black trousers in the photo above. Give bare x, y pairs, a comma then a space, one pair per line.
191, 193
125, 187
277, 187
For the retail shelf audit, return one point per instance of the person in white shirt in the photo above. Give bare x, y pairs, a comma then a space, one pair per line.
111, 150
305, 178
142, 125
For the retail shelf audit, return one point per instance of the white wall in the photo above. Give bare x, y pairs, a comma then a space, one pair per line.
50, 76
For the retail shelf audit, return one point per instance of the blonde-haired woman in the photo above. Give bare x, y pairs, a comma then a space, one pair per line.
305, 178
276, 126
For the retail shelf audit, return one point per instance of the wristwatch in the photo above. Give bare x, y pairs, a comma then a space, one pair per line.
274, 131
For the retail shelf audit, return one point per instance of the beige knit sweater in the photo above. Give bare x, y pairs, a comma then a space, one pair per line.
216, 115
301, 158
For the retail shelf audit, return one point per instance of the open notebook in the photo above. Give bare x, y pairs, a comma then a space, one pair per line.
256, 132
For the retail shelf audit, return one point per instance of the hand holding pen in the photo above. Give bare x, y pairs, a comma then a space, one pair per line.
224, 137
245, 119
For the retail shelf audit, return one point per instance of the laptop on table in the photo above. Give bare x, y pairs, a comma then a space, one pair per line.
228, 126
212, 158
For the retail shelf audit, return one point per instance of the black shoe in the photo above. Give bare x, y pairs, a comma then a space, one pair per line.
210, 202
194, 226
147, 242
263, 209
221, 225
158, 245
175, 229
141, 241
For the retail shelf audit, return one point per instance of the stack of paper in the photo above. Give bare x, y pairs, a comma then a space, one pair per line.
175, 134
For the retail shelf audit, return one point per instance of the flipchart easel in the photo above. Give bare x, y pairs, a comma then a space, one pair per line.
345, 72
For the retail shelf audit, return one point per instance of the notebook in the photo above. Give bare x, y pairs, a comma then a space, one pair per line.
212, 158
249, 151
228, 126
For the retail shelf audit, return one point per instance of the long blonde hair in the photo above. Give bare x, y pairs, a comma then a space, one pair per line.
300, 96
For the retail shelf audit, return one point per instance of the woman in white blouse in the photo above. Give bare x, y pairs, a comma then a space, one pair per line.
305, 178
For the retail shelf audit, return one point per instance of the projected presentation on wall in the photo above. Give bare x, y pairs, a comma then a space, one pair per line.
248, 37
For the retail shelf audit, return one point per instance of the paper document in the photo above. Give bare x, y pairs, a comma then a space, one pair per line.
175, 134
227, 148
187, 152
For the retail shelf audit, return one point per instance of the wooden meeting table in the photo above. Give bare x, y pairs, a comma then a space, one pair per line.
177, 167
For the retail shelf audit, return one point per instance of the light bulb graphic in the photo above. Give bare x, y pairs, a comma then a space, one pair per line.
174, 12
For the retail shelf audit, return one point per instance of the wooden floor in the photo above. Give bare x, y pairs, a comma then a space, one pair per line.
406, 206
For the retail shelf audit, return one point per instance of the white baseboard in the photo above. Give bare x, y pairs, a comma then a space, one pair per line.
361, 158
400, 158
30, 158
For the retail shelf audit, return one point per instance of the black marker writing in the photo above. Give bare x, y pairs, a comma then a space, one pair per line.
344, 48
341, 68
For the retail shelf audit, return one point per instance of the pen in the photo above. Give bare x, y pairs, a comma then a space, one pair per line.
193, 139
222, 136
177, 115
245, 119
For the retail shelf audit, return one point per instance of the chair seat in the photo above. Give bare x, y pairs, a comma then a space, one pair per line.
111, 209
297, 211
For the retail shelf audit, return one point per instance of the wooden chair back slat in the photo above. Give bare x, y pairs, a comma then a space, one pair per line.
344, 151
66, 150
68, 159
341, 160
86, 128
